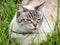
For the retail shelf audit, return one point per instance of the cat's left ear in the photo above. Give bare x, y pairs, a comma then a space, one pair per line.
20, 7
40, 6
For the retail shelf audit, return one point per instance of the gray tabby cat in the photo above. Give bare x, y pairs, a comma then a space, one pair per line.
29, 23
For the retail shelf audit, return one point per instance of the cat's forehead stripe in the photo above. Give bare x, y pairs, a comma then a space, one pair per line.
30, 13
33, 14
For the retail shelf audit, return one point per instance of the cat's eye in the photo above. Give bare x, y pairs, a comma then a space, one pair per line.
22, 19
28, 19
25, 10
19, 21
38, 19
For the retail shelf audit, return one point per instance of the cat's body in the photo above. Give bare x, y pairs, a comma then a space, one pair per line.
33, 20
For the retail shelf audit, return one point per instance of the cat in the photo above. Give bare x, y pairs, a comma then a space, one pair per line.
30, 20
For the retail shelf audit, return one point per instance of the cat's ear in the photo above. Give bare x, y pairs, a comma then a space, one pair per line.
40, 6
21, 8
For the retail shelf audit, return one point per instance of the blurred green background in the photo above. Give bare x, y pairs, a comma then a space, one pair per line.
7, 11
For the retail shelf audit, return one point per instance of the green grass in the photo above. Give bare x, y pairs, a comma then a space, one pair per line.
7, 11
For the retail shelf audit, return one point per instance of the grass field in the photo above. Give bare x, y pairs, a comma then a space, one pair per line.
7, 11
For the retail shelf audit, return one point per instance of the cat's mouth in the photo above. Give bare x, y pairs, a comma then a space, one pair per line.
34, 29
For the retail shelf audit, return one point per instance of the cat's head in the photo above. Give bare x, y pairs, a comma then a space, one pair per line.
31, 19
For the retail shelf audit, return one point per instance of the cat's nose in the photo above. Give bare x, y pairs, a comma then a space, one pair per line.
34, 23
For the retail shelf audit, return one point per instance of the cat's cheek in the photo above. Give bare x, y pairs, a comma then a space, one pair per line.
30, 26
37, 24
21, 24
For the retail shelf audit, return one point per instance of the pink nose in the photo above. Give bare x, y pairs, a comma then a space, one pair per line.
34, 23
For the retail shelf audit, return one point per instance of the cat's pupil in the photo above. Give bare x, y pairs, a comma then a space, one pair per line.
38, 19
25, 10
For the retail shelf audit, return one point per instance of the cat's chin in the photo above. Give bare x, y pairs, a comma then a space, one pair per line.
34, 29
31, 28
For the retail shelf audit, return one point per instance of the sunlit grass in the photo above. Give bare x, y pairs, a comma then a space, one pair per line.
7, 11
